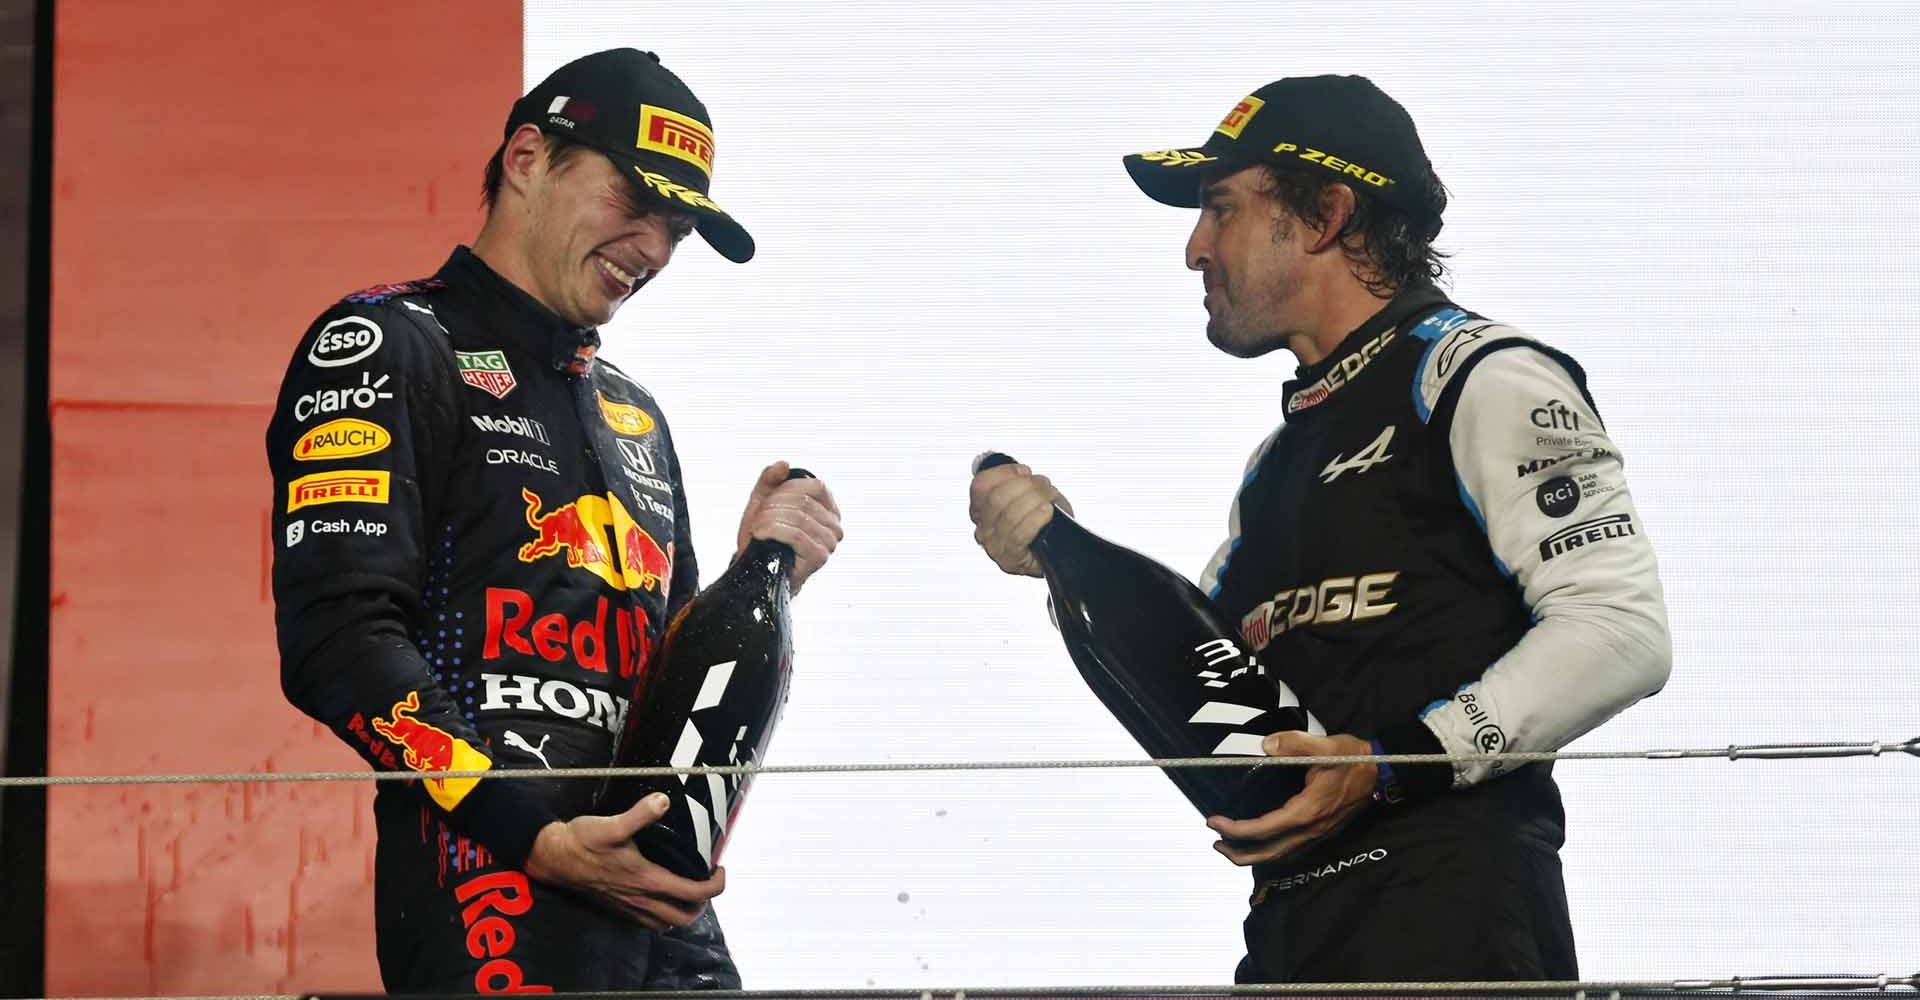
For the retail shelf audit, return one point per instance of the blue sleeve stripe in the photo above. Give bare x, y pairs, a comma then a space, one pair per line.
1481, 520
1432, 330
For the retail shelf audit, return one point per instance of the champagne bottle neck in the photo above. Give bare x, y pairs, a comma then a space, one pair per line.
768, 557
1060, 534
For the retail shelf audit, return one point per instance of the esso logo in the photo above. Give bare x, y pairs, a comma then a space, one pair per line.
344, 341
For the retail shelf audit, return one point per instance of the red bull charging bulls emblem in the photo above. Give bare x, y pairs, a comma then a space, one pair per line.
599, 536
430, 748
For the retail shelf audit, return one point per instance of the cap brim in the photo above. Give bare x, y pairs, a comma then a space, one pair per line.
1171, 176
721, 231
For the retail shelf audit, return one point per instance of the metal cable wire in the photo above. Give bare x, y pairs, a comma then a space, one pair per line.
1766, 751
1577, 988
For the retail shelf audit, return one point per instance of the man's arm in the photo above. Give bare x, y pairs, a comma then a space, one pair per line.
1538, 469
357, 442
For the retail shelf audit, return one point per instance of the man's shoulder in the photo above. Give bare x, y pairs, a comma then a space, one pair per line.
622, 386
393, 323
1456, 342
387, 292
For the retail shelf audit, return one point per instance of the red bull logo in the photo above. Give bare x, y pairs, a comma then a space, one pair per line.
599, 536
430, 748
489, 902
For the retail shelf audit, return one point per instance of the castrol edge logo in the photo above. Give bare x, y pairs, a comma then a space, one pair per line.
343, 438
677, 136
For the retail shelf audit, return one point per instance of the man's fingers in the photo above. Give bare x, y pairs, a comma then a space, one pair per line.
665, 884
1292, 815
1244, 854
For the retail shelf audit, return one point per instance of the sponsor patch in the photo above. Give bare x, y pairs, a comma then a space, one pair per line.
343, 438
362, 397
1334, 163
430, 748
625, 418
1554, 416
582, 529
1340, 374
1557, 497
1599, 529
1237, 119
676, 135
486, 371
344, 341
344, 486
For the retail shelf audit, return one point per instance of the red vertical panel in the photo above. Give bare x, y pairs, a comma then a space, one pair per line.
222, 172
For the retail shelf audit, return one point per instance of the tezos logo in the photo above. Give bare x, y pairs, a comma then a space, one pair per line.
344, 341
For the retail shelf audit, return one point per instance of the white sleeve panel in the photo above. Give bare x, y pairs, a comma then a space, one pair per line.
1538, 469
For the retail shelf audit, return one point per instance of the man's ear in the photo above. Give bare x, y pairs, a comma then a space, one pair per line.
524, 158
1337, 205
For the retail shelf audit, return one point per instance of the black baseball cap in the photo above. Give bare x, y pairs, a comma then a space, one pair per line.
623, 103
1343, 124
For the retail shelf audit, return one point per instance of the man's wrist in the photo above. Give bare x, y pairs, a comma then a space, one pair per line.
1412, 782
1386, 786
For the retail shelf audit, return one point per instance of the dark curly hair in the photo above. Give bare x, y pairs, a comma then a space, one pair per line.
559, 150
1391, 248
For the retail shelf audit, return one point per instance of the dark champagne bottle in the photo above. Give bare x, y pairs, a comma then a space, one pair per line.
713, 699
1168, 665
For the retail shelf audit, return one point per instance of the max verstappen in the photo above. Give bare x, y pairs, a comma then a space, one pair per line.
480, 533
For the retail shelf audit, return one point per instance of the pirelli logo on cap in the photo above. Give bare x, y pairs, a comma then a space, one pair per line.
1238, 118
350, 486
1333, 163
677, 136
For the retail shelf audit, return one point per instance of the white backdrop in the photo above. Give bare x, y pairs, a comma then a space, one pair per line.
1713, 207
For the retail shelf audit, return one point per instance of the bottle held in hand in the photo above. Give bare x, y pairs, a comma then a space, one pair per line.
1168, 665
714, 699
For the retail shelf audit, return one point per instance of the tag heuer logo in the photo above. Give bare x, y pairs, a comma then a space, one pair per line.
486, 371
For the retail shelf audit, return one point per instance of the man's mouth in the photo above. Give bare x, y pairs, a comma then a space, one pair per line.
621, 276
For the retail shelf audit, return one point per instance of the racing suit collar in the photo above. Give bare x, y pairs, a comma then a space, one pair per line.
530, 327
1313, 384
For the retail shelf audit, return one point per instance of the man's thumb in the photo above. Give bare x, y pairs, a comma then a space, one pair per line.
770, 477
644, 813
1289, 743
